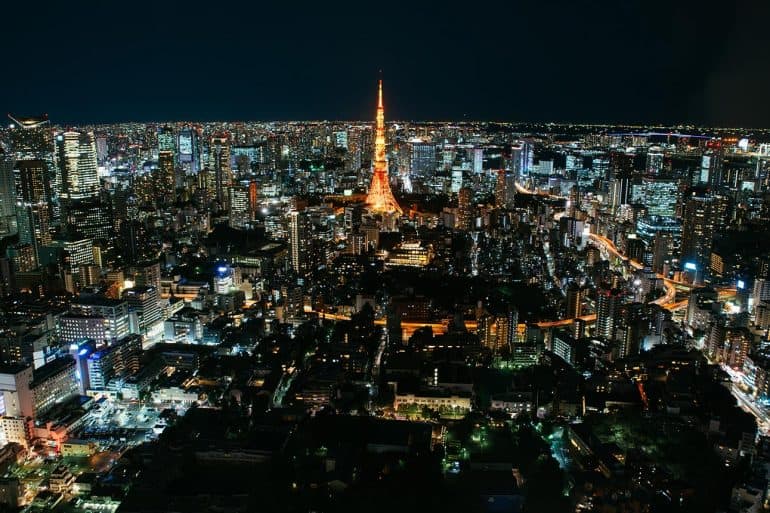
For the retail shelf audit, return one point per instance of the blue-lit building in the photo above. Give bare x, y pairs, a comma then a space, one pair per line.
658, 195
648, 227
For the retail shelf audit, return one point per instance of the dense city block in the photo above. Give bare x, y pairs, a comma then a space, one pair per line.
354, 316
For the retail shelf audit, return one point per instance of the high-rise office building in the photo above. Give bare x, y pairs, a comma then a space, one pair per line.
188, 150
219, 166
521, 159
761, 291
465, 209
698, 223
654, 164
14, 390
658, 195
33, 195
422, 157
23, 257
165, 179
620, 193
356, 142
78, 163
89, 218
702, 306
31, 138
240, 207
712, 163
8, 224
565, 346
299, 241
340, 139
166, 140
74, 328
621, 164
79, 252
505, 189
507, 327
662, 250
102, 149
477, 164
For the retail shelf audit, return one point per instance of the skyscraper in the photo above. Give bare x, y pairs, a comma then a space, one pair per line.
658, 195
33, 194
188, 150
31, 138
505, 189
92, 218
166, 139
77, 160
654, 164
465, 209
380, 197
697, 231
8, 225
422, 157
219, 165
165, 179
299, 241
240, 206
662, 248
711, 168
621, 190
521, 159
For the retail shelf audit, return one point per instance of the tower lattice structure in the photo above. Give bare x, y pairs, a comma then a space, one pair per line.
380, 197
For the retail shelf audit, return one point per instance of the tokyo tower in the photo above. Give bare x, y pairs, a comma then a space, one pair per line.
380, 197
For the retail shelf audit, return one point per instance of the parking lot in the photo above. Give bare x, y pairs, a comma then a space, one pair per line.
122, 423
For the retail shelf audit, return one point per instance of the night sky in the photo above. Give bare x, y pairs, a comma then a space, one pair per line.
584, 61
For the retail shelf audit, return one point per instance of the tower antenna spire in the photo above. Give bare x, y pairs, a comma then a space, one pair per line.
380, 197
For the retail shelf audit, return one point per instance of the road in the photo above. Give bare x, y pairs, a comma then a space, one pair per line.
745, 401
667, 301
377, 360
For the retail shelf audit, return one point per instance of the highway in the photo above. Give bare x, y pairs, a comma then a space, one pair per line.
668, 300
523, 190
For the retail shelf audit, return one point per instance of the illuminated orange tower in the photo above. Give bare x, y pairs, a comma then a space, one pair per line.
380, 197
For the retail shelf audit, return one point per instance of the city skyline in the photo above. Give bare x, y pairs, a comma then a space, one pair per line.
368, 298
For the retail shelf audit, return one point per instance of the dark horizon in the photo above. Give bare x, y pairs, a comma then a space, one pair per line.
645, 63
